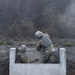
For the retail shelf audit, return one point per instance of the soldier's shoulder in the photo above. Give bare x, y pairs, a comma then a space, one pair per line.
47, 35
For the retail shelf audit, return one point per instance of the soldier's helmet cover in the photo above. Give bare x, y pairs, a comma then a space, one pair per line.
23, 48
38, 34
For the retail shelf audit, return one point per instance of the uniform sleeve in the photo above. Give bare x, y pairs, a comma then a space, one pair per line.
39, 45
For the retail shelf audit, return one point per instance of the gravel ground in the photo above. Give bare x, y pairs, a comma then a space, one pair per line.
70, 51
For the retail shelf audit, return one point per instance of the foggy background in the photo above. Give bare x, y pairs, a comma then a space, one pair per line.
21, 18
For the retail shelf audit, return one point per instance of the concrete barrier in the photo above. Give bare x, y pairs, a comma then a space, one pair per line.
37, 69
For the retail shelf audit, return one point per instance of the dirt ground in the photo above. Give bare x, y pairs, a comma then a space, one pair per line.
4, 67
70, 67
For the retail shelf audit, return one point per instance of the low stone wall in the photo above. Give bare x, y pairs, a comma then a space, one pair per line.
37, 69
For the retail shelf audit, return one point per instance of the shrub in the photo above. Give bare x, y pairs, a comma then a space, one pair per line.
9, 43
1, 43
68, 44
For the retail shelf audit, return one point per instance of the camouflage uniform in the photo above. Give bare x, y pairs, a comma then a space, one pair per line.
46, 47
47, 53
24, 59
21, 56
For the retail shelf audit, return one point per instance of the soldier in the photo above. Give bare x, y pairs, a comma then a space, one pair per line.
46, 47
21, 55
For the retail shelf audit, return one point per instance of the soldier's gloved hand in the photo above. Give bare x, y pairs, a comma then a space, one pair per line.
46, 52
36, 60
38, 48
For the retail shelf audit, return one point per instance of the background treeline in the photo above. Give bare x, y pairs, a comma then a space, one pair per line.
21, 18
